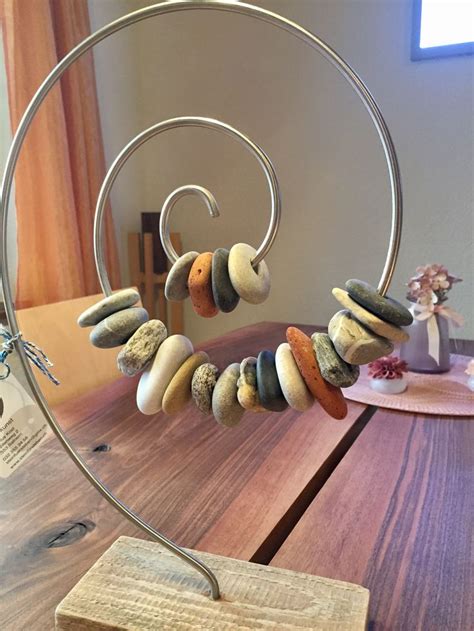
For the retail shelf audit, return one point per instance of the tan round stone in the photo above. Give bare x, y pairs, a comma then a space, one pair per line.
225, 405
370, 320
292, 383
141, 347
247, 392
252, 285
178, 393
354, 342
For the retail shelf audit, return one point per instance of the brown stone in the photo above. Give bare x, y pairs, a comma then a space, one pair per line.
330, 397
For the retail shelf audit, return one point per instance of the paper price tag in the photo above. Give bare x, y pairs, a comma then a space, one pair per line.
22, 426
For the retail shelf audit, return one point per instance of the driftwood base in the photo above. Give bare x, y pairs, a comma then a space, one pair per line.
138, 585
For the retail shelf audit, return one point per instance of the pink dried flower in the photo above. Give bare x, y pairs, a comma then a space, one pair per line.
430, 284
390, 367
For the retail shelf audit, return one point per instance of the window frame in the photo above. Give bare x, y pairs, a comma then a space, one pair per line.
433, 52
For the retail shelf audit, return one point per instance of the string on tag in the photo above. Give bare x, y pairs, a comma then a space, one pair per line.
33, 352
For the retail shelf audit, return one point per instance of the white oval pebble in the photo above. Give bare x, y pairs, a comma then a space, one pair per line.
172, 353
292, 383
252, 285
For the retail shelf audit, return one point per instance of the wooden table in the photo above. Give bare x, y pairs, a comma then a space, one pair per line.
382, 499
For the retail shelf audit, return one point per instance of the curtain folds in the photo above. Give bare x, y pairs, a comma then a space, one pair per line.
61, 165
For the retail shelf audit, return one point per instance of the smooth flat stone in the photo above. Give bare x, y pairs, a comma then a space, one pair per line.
172, 353
116, 302
354, 342
330, 398
178, 393
269, 391
225, 405
292, 383
333, 368
252, 285
383, 306
369, 319
118, 327
247, 391
141, 347
225, 296
202, 386
176, 286
200, 286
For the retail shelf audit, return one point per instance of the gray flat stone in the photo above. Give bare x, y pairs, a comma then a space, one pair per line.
225, 405
202, 386
176, 286
269, 390
225, 296
141, 347
355, 343
385, 307
333, 368
118, 327
115, 302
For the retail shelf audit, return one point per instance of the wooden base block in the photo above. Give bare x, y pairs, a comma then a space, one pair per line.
139, 585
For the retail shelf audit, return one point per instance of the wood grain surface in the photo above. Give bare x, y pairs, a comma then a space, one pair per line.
397, 517
233, 492
139, 585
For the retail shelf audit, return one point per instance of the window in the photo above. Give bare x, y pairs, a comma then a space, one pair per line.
442, 28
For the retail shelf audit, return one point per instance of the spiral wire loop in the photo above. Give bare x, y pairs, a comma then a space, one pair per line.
208, 198
113, 27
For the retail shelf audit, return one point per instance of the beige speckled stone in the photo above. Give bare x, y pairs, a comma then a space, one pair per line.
225, 405
172, 353
252, 285
370, 320
176, 286
247, 393
141, 347
292, 383
178, 393
116, 302
202, 386
355, 343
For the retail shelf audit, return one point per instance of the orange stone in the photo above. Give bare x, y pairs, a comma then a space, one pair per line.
330, 397
200, 286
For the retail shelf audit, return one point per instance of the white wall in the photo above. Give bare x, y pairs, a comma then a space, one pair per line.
287, 98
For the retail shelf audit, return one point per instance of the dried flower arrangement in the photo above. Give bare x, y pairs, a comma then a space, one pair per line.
431, 284
389, 367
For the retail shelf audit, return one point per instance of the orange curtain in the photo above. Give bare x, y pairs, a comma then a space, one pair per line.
61, 165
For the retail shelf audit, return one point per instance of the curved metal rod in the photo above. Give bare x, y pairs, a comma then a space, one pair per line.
148, 134
170, 202
127, 20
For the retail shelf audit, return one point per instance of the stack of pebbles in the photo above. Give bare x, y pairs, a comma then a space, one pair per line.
217, 281
301, 371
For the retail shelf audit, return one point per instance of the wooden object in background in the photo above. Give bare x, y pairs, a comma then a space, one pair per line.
79, 366
139, 585
151, 225
151, 285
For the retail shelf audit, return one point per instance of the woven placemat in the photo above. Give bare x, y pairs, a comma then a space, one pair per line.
445, 394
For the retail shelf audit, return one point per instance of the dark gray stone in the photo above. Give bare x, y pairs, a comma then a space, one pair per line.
383, 306
225, 296
333, 368
118, 328
269, 390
